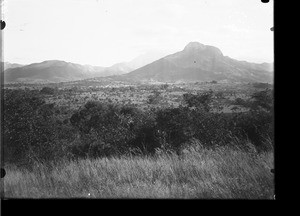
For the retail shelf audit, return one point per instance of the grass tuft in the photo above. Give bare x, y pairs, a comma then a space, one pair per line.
219, 173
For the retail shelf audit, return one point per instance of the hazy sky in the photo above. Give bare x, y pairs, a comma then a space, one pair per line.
104, 32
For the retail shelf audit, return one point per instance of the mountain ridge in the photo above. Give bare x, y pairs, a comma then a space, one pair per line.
199, 62
24, 73
195, 62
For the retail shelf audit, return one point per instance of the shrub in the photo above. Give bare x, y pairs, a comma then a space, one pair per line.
154, 98
179, 125
200, 100
48, 90
254, 126
107, 124
261, 85
34, 130
239, 101
174, 126
30, 129
262, 99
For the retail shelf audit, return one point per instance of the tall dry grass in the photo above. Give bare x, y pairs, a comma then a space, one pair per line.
222, 173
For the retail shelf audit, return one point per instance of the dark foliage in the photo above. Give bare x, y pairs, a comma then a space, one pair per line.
31, 131
200, 100
261, 85
174, 126
48, 90
154, 98
114, 128
263, 99
38, 131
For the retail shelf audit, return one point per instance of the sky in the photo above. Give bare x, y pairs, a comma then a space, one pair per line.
105, 32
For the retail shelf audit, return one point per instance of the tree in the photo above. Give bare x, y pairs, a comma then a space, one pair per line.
174, 126
48, 90
154, 98
263, 99
32, 131
25, 128
106, 125
200, 100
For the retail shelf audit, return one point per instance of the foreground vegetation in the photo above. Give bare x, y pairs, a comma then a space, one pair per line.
225, 172
175, 142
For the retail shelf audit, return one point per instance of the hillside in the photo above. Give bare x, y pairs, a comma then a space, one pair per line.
50, 71
8, 65
198, 62
61, 71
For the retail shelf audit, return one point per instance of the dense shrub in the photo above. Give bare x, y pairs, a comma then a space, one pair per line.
262, 99
36, 130
239, 101
179, 125
261, 85
255, 126
113, 127
200, 100
20, 108
48, 90
31, 132
119, 127
174, 126
154, 98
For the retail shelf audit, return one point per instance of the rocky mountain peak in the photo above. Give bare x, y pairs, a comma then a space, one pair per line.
194, 45
199, 47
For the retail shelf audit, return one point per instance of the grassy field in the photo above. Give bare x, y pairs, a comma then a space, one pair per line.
222, 173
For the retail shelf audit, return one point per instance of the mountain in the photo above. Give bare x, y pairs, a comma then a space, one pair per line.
196, 62
61, 71
51, 71
146, 58
117, 69
199, 62
267, 66
140, 61
8, 65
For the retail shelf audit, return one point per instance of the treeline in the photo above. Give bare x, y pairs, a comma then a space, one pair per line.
34, 131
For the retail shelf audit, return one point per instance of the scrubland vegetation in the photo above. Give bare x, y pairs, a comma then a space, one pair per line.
197, 173
140, 141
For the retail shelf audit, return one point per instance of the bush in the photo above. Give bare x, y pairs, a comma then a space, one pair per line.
154, 98
34, 130
261, 85
200, 100
30, 130
254, 126
48, 90
174, 127
263, 99
178, 126
239, 101
107, 124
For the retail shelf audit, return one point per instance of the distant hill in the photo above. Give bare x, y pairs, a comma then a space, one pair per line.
140, 61
199, 62
61, 71
146, 58
196, 62
50, 71
8, 65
